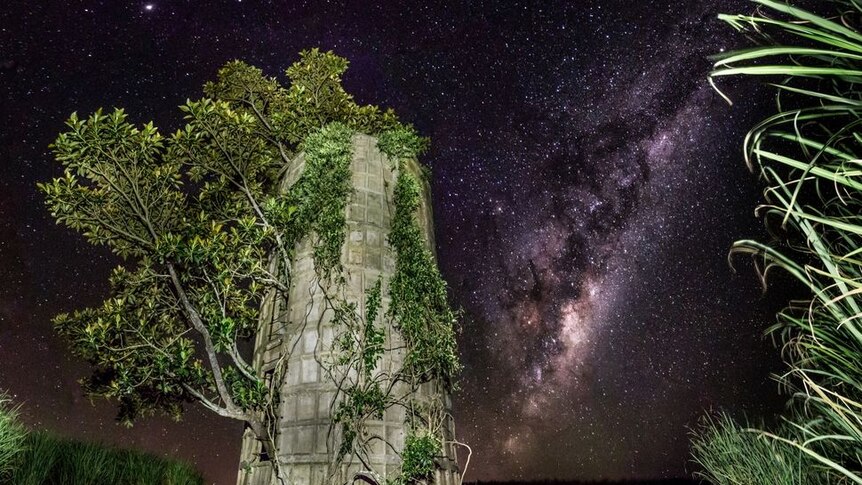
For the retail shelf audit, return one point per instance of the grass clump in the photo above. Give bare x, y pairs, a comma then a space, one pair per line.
12, 436
730, 454
47, 460
40, 458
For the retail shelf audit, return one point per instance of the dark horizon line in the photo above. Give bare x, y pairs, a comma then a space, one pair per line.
561, 481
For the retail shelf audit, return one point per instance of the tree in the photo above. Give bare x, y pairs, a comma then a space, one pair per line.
207, 235
807, 154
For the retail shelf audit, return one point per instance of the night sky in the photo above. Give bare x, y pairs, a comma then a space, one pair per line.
587, 185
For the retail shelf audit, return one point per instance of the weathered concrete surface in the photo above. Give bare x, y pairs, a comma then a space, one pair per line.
299, 330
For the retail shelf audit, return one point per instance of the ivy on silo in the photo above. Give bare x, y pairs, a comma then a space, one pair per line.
320, 195
419, 309
419, 304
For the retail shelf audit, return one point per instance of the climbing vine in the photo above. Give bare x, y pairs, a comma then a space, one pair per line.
320, 195
419, 304
417, 459
401, 143
419, 312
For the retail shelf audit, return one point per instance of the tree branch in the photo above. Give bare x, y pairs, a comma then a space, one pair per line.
224, 412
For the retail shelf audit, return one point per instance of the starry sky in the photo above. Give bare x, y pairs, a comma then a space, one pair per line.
587, 185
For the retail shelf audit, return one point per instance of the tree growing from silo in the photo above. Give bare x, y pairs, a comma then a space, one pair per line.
206, 237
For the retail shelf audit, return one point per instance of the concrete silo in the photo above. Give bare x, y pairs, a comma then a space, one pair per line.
298, 333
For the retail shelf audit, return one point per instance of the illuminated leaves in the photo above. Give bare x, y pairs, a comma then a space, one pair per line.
117, 189
316, 97
140, 347
418, 458
321, 194
401, 143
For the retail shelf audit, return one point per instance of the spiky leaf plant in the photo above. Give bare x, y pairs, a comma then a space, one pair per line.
808, 155
730, 453
12, 436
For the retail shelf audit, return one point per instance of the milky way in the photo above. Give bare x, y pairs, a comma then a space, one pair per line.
587, 184
597, 199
